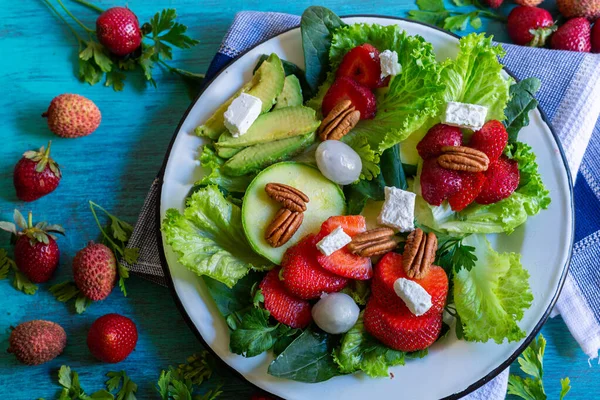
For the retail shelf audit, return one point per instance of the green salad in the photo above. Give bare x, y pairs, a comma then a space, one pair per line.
341, 222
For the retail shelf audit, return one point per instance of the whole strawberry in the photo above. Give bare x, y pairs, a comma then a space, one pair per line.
589, 9
36, 252
118, 29
574, 35
530, 26
529, 3
72, 116
95, 271
36, 174
112, 338
596, 37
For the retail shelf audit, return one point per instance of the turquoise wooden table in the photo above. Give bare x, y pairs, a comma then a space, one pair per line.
114, 167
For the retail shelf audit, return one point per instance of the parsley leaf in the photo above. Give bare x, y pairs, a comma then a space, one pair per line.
434, 12
20, 280
531, 363
125, 387
69, 380
183, 382
66, 291
452, 254
175, 34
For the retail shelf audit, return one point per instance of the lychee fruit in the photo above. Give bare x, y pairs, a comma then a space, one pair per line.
72, 116
36, 342
95, 271
589, 9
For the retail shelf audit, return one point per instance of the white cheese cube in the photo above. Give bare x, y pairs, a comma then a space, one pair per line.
398, 210
242, 113
334, 241
463, 115
389, 64
414, 296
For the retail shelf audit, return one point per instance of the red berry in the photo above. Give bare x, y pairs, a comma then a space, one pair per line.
112, 338
494, 3
574, 35
303, 277
36, 174
530, 26
471, 186
437, 183
343, 262
389, 269
118, 30
362, 64
438, 136
345, 88
502, 179
400, 330
491, 139
284, 307
596, 37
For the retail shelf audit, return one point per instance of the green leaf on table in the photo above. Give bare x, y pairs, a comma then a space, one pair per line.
20, 281
359, 351
166, 30
98, 53
565, 386
431, 5
89, 72
209, 237
307, 359
317, 26
104, 395
120, 382
522, 100
66, 291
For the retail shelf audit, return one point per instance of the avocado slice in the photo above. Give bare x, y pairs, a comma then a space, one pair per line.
291, 95
276, 125
228, 152
259, 156
266, 84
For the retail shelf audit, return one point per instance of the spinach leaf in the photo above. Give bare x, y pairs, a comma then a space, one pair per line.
306, 359
290, 69
522, 100
317, 26
392, 174
235, 299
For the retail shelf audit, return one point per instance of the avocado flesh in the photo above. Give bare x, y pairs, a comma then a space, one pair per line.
228, 152
266, 84
259, 156
291, 95
276, 125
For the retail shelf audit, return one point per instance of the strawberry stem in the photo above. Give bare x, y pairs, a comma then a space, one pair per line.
30, 220
47, 152
89, 5
73, 31
81, 24
114, 245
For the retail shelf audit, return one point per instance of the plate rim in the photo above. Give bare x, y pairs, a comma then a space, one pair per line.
159, 181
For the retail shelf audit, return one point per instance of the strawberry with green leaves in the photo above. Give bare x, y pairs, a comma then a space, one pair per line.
36, 174
36, 251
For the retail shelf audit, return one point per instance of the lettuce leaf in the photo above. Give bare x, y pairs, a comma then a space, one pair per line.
358, 351
231, 184
475, 76
412, 97
529, 199
209, 238
492, 297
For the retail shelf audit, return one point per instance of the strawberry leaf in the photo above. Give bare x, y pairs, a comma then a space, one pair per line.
8, 227
19, 219
82, 303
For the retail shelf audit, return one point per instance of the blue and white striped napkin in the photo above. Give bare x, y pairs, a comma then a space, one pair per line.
570, 96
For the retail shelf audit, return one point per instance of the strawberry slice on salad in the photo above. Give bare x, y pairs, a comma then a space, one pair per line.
342, 262
302, 274
502, 179
389, 269
491, 139
401, 330
362, 64
439, 136
284, 307
345, 88
471, 186
437, 183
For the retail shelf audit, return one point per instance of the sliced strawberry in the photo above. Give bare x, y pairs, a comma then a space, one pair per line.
389, 269
399, 330
352, 224
284, 307
502, 179
362, 64
491, 139
472, 183
345, 88
438, 136
437, 183
303, 277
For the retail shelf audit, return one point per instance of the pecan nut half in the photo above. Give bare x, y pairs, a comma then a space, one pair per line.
461, 158
291, 198
340, 120
374, 242
419, 253
282, 228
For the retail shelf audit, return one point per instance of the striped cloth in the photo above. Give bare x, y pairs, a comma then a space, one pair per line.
570, 96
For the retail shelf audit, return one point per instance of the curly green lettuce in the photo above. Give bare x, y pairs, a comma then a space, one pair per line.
209, 239
492, 297
506, 215
213, 163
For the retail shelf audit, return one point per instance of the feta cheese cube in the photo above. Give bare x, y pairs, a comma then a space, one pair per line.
414, 296
242, 113
463, 115
398, 210
389, 64
334, 241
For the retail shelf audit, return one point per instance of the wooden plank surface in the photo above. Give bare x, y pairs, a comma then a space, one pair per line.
115, 167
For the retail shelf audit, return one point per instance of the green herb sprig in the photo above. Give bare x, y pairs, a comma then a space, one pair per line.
20, 281
452, 254
434, 12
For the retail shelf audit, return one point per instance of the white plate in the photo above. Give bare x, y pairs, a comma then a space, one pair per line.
456, 367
